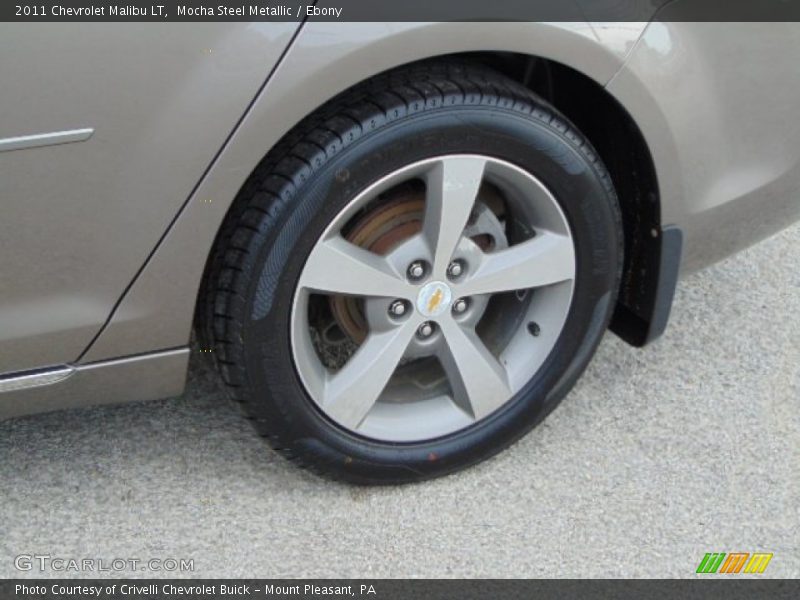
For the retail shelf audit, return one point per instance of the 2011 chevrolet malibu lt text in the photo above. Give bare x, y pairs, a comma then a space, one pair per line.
400, 243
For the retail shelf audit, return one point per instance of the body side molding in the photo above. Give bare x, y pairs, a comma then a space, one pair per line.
45, 139
11, 382
131, 379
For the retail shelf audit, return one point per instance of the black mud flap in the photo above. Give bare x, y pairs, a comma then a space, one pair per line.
641, 321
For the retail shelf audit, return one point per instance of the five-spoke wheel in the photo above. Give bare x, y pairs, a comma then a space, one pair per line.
437, 353
416, 276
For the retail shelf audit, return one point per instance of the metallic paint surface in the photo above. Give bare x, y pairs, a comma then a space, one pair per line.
324, 60
79, 220
714, 101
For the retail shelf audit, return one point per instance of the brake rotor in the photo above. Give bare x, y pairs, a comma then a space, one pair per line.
395, 220
379, 230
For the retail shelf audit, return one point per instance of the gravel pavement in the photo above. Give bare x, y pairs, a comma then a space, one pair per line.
658, 456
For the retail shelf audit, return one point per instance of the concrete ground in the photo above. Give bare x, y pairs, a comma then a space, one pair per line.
657, 457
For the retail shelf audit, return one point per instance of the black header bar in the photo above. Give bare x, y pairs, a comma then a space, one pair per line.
398, 10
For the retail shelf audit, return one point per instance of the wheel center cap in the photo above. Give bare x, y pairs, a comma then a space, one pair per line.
434, 298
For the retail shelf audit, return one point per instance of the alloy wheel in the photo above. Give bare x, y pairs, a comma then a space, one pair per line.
432, 298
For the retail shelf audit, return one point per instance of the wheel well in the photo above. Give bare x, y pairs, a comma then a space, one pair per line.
620, 144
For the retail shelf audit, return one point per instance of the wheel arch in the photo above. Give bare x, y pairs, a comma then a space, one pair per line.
158, 310
650, 270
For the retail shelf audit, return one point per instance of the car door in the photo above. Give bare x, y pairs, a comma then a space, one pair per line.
145, 108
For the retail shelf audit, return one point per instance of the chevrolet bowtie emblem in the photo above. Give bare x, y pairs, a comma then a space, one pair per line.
434, 298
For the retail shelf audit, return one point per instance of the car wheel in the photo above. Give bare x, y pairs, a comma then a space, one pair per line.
416, 276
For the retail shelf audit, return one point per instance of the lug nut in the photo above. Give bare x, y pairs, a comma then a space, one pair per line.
416, 269
397, 308
455, 269
460, 305
425, 330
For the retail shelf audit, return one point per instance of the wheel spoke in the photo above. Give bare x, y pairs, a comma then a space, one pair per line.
546, 259
338, 267
352, 392
479, 382
452, 186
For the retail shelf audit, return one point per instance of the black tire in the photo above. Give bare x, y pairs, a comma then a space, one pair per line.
404, 116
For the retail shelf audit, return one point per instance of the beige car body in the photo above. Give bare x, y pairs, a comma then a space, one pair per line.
105, 231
